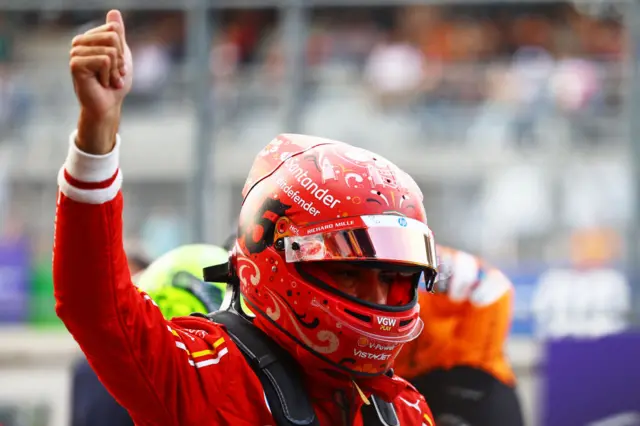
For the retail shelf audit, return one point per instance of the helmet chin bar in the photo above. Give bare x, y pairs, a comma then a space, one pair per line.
224, 273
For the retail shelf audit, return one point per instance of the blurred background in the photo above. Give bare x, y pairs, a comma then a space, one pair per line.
520, 121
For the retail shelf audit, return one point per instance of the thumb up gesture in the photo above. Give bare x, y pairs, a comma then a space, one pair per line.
102, 70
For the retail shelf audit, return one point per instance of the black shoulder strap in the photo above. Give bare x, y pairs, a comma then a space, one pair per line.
379, 413
277, 370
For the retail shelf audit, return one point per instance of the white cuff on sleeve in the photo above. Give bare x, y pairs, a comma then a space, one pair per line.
91, 179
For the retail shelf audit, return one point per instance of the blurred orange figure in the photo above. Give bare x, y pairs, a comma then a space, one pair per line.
458, 363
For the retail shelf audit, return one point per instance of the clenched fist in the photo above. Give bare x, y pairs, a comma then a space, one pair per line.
101, 67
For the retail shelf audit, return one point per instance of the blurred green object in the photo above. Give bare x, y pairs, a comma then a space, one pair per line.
174, 281
42, 304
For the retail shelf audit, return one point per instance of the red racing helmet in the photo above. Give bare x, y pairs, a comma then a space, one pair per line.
315, 212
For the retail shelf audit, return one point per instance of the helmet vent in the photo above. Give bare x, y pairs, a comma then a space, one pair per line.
361, 317
406, 322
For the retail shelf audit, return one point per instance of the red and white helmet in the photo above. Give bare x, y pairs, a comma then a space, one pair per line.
310, 204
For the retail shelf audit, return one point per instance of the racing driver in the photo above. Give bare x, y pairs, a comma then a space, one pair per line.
332, 242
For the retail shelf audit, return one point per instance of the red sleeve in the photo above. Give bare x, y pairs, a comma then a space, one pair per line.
121, 331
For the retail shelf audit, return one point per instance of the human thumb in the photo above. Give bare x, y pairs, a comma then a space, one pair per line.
115, 16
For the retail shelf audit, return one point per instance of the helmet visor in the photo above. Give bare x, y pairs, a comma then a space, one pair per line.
382, 238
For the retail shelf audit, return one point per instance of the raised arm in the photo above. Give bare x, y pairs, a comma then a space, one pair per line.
132, 348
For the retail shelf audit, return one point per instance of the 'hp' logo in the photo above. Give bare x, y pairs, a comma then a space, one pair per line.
402, 221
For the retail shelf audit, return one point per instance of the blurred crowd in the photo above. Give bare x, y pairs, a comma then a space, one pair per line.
499, 68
